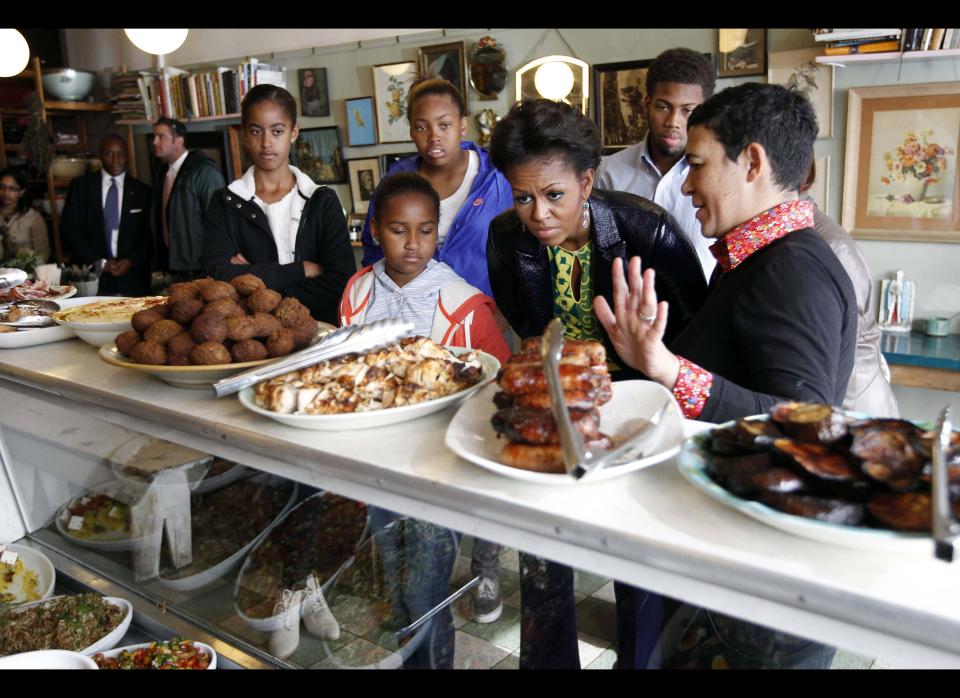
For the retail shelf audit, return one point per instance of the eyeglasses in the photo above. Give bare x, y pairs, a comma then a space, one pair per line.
14, 188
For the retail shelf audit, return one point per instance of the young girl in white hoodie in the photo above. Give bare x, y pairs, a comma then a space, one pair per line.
275, 222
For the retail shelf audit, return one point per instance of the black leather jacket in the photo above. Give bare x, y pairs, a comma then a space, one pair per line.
624, 225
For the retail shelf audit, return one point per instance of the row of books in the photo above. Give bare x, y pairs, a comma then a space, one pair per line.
841, 42
181, 94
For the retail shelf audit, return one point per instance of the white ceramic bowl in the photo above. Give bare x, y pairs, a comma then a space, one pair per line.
68, 84
203, 647
47, 659
98, 333
39, 564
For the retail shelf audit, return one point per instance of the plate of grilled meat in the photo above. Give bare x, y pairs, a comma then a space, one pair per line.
517, 407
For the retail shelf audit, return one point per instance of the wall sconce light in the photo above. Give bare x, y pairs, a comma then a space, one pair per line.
14, 53
560, 78
157, 41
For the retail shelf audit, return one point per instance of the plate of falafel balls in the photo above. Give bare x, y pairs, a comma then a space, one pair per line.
209, 329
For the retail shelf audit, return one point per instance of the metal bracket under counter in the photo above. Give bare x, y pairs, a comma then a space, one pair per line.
650, 529
921, 361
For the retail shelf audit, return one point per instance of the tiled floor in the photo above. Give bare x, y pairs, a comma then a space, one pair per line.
497, 645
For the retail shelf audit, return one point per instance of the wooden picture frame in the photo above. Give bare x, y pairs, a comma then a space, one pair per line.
388, 159
315, 97
618, 92
319, 153
900, 165
391, 85
798, 70
364, 174
748, 59
361, 121
447, 62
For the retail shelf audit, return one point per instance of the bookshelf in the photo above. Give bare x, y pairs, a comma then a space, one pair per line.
889, 57
50, 107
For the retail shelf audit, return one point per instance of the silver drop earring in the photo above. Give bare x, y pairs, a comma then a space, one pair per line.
586, 214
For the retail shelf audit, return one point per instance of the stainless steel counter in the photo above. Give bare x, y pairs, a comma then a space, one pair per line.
650, 528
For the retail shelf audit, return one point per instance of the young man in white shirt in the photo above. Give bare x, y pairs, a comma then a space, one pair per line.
677, 82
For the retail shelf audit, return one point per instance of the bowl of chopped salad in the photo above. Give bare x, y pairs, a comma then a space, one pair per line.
85, 623
170, 654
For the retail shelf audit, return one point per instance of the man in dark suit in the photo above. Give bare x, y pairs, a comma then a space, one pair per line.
107, 216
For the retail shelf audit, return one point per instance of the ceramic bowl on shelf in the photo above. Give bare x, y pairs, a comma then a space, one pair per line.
69, 168
67, 84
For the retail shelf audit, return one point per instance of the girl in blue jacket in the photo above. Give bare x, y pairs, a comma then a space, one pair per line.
472, 191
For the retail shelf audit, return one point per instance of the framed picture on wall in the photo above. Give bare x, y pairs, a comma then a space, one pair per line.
391, 84
741, 52
799, 70
361, 121
619, 89
314, 97
364, 178
390, 158
320, 155
900, 167
445, 61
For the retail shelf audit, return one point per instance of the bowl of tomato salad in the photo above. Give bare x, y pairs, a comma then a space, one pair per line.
170, 654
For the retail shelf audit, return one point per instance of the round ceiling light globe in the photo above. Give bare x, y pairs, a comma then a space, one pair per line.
554, 80
157, 41
14, 54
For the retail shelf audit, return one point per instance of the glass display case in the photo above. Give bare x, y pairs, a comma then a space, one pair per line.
219, 524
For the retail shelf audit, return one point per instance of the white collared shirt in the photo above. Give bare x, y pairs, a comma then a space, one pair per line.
175, 166
632, 170
104, 190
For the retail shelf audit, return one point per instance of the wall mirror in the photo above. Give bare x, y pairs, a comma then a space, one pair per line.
488, 68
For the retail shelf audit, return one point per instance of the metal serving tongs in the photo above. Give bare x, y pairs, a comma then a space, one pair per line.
577, 458
346, 340
945, 526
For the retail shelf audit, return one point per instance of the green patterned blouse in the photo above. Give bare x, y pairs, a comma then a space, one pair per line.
577, 316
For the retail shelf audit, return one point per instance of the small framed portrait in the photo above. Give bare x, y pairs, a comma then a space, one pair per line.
388, 160
361, 121
391, 85
447, 62
319, 154
364, 177
314, 97
741, 52
900, 167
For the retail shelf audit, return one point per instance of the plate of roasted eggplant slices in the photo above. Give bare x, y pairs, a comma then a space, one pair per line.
825, 474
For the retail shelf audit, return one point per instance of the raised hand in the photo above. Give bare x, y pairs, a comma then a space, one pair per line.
637, 323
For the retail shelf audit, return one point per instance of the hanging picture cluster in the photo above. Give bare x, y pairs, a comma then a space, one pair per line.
370, 120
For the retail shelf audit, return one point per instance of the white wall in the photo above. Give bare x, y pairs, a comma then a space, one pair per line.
933, 266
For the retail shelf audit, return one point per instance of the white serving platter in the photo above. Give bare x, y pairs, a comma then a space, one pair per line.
471, 436
693, 462
377, 418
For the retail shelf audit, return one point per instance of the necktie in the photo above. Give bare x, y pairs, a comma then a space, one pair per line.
167, 188
111, 215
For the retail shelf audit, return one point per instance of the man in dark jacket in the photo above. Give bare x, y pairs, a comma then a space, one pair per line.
780, 319
107, 216
184, 186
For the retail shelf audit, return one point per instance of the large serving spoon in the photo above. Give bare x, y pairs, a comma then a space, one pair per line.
37, 313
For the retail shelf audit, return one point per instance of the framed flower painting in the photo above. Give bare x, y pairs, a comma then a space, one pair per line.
391, 85
900, 169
